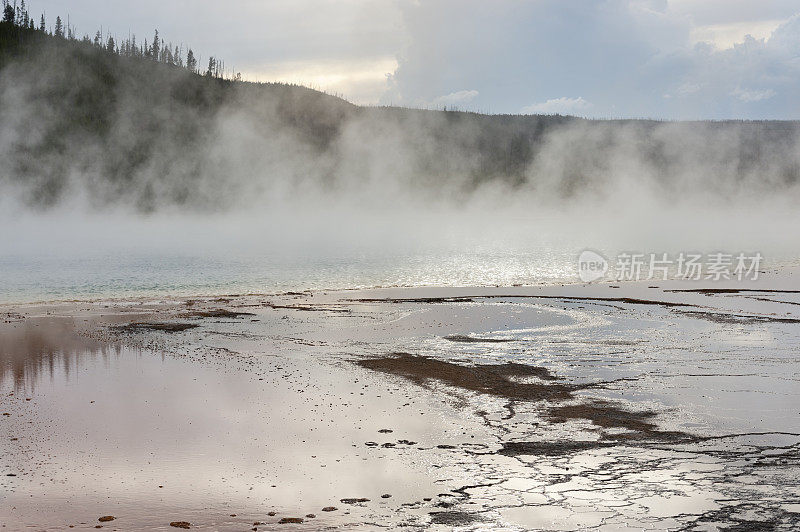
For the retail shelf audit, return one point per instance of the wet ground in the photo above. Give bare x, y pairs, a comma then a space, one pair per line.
516, 409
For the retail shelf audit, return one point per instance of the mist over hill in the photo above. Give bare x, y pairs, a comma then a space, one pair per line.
81, 124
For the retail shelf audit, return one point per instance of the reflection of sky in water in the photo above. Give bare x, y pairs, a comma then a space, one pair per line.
109, 425
104, 429
48, 347
43, 278
711, 376
58, 256
40, 278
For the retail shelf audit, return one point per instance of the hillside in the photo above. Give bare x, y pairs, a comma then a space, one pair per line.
77, 119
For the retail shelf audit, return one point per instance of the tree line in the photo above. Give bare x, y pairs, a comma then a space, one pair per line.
16, 14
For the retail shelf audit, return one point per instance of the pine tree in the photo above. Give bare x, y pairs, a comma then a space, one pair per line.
98, 38
59, 28
8, 14
156, 47
111, 45
42, 26
191, 61
212, 67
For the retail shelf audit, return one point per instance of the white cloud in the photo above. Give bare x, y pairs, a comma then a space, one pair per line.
455, 98
563, 105
724, 36
746, 95
689, 88
361, 81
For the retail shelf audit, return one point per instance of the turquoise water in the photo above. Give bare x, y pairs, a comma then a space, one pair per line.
137, 274
61, 256
56, 256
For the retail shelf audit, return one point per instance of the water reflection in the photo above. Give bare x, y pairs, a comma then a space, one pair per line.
41, 346
153, 437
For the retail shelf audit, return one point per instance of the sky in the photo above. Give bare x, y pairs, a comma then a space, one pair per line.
666, 59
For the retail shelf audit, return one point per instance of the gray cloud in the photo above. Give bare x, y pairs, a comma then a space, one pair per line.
709, 12
629, 58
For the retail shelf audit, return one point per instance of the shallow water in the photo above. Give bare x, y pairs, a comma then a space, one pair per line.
73, 255
268, 412
219, 427
142, 274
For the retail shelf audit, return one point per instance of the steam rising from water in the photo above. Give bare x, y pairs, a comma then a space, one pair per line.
102, 157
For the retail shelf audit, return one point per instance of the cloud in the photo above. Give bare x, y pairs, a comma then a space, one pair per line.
629, 58
719, 12
455, 98
512, 52
724, 36
753, 95
561, 105
359, 81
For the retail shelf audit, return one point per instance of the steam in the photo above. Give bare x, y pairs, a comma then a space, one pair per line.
99, 152
113, 132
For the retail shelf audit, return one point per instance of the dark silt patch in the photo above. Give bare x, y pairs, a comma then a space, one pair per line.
426, 300
709, 291
306, 308
218, 313
628, 300
164, 327
561, 405
471, 339
491, 379
736, 516
452, 518
548, 448
470, 299
639, 424
603, 414
737, 319
354, 500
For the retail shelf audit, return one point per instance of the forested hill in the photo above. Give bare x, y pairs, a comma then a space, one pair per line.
89, 80
121, 126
